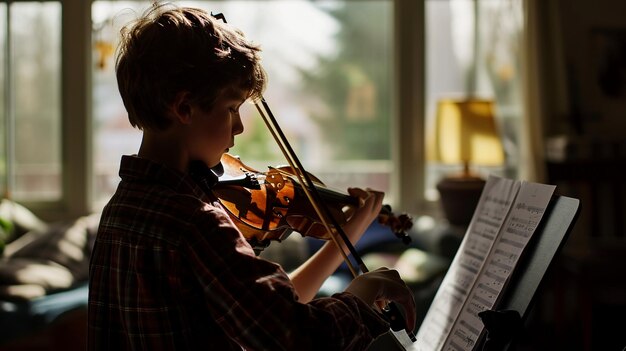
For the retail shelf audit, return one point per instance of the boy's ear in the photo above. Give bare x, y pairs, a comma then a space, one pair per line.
180, 109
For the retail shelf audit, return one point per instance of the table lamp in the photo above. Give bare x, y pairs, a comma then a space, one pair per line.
465, 134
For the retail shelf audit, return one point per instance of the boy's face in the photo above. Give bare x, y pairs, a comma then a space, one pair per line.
212, 133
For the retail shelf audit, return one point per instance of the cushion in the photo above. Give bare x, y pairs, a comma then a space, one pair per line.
46, 260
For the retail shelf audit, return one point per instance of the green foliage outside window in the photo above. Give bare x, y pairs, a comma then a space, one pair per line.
356, 84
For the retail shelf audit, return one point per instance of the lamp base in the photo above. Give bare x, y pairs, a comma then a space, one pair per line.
459, 197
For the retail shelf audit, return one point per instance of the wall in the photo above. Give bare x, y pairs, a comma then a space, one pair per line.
592, 58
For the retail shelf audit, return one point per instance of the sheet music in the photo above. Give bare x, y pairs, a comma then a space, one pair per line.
489, 216
526, 213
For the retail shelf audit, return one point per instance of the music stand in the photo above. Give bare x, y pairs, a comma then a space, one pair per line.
546, 243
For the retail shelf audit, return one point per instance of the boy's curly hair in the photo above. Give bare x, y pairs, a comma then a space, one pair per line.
172, 49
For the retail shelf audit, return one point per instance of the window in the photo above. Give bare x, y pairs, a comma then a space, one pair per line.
330, 67
352, 82
30, 35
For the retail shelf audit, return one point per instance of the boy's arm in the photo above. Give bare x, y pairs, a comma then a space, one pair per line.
255, 302
309, 277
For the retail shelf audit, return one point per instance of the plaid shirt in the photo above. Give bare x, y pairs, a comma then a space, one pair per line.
170, 271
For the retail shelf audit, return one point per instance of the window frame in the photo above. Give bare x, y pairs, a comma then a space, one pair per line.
75, 87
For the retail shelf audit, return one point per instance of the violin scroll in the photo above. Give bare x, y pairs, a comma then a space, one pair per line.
398, 224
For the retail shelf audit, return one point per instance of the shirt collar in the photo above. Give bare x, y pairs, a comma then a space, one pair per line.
198, 181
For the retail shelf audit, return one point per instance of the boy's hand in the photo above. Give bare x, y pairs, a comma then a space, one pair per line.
370, 204
378, 287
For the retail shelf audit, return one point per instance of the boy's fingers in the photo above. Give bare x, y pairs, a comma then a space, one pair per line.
358, 192
368, 195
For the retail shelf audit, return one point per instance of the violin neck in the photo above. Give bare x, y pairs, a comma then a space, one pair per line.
334, 196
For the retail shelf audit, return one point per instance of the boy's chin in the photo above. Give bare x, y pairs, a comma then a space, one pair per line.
213, 163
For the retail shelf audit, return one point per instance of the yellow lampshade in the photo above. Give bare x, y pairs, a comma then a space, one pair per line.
465, 132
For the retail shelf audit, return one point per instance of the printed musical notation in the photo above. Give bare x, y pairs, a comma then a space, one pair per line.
505, 218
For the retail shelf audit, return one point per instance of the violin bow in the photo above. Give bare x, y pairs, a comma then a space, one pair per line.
309, 188
391, 311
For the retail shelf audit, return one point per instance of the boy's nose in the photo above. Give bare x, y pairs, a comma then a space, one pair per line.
237, 125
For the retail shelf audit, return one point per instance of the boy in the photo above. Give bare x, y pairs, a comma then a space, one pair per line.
169, 270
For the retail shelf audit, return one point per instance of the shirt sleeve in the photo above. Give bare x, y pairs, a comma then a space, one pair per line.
255, 303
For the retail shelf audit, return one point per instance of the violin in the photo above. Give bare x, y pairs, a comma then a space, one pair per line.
269, 206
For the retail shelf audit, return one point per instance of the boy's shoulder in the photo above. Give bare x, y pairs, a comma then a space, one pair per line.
162, 213
153, 195
161, 198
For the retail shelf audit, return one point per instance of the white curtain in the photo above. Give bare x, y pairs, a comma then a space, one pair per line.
532, 145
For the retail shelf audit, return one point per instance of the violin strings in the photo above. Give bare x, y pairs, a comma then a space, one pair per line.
320, 186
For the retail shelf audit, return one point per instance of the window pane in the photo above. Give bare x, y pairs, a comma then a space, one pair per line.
500, 56
36, 68
330, 80
453, 53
